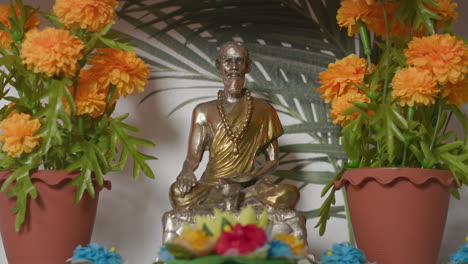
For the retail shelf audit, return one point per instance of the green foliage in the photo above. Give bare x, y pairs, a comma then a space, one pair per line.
92, 145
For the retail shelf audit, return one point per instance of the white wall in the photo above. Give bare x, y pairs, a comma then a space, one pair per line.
129, 216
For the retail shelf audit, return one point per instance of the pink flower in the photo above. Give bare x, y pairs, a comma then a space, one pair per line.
241, 240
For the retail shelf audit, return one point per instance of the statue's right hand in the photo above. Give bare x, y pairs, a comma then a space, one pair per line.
185, 182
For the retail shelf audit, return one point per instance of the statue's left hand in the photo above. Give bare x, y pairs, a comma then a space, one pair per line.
185, 182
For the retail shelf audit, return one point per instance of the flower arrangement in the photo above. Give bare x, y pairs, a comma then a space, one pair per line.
95, 254
63, 83
394, 105
225, 237
461, 256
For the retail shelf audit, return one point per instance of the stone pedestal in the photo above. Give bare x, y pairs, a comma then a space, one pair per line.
281, 221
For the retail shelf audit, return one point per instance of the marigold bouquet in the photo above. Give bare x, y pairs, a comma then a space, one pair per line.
223, 237
63, 83
394, 105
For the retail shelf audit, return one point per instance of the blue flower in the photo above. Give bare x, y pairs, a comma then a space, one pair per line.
343, 253
279, 249
97, 254
113, 257
460, 256
164, 254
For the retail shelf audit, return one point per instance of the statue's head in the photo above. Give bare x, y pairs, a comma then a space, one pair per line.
233, 63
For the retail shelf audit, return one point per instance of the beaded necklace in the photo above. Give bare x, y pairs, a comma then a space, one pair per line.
235, 137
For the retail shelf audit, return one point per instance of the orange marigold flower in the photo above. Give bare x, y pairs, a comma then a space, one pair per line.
342, 103
92, 15
446, 10
376, 22
350, 12
52, 51
89, 99
444, 55
121, 68
457, 93
18, 134
414, 86
5, 38
335, 80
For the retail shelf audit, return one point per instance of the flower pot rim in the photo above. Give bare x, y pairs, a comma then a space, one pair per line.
388, 175
52, 177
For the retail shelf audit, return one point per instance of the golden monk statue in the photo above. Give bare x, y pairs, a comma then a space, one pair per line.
240, 132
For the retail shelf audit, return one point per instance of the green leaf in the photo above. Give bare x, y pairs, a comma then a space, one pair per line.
106, 29
336, 210
207, 230
129, 147
91, 160
115, 44
52, 19
417, 153
449, 147
50, 128
23, 188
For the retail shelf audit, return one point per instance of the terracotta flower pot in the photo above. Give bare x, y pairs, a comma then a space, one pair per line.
398, 214
54, 224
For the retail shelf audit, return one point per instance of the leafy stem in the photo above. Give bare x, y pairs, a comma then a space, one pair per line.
409, 116
439, 115
365, 43
387, 58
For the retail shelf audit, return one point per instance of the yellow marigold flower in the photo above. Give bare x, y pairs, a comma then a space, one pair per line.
457, 93
446, 10
350, 12
414, 86
92, 15
297, 246
5, 38
121, 68
444, 55
197, 241
342, 103
335, 80
89, 99
18, 134
52, 51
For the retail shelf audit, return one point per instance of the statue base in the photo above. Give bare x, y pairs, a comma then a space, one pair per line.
281, 220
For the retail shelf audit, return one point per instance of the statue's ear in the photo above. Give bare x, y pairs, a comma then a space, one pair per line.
249, 66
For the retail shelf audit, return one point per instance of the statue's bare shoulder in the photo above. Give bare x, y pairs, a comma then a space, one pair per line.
202, 112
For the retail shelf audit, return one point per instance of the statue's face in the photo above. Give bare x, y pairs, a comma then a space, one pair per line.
233, 64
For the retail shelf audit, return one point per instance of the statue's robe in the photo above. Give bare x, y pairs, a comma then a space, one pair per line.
223, 164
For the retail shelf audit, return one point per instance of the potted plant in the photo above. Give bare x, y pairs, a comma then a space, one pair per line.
58, 137
402, 161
